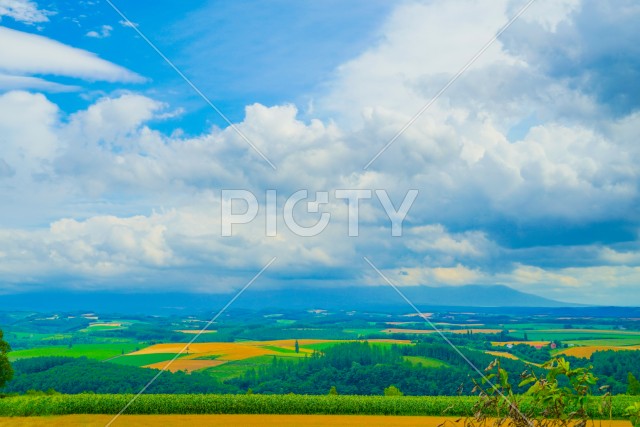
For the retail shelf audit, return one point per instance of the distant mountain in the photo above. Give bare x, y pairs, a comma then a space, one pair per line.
361, 298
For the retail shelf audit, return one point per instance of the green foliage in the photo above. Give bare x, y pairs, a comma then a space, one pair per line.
393, 391
633, 412
333, 391
633, 389
297, 347
560, 397
88, 403
6, 371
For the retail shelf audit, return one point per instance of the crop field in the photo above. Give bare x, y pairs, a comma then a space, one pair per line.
587, 351
255, 404
92, 351
187, 365
195, 331
233, 351
502, 354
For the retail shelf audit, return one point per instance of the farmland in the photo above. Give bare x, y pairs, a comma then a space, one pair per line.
304, 353
254, 404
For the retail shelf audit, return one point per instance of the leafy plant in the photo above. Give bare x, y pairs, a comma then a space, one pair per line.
633, 412
558, 396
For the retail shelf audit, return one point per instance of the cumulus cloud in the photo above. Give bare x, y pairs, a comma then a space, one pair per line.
511, 149
25, 11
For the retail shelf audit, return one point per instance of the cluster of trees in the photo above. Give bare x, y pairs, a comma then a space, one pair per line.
530, 353
6, 371
617, 369
77, 375
369, 369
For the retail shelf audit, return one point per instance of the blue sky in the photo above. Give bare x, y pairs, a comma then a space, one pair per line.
111, 166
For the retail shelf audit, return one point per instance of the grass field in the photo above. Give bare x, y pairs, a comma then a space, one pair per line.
142, 359
243, 421
236, 368
92, 351
426, 362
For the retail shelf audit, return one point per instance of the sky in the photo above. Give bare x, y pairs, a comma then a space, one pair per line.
112, 166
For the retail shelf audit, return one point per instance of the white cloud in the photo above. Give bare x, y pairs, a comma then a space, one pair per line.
26, 54
103, 32
23, 11
8, 83
96, 174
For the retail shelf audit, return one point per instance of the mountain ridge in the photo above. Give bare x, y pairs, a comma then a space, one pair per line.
361, 298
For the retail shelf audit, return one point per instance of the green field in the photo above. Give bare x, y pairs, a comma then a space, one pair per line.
255, 404
613, 341
280, 349
544, 335
92, 351
142, 359
237, 368
426, 362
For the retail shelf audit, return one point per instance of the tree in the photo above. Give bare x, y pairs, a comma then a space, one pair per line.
633, 389
333, 391
393, 391
6, 371
297, 347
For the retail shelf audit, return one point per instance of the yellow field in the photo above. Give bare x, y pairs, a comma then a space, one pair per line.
245, 421
588, 350
186, 365
228, 351
446, 331
531, 343
502, 354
